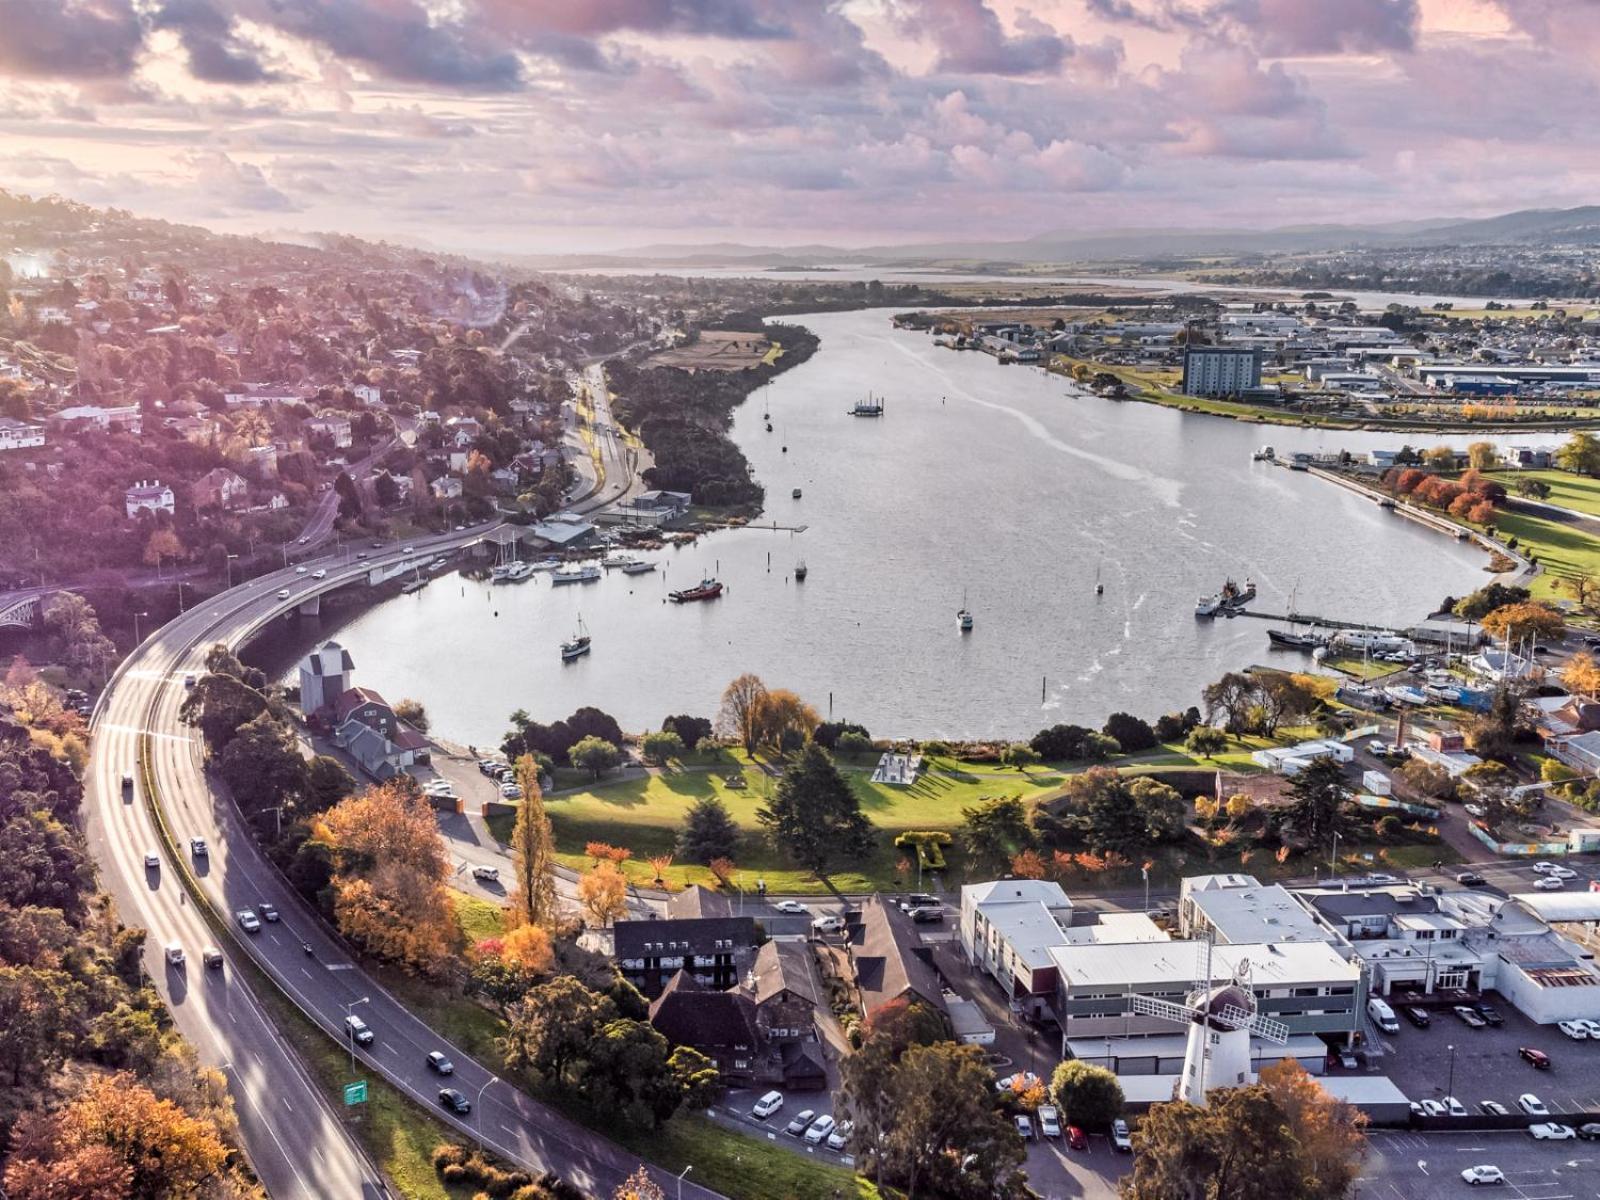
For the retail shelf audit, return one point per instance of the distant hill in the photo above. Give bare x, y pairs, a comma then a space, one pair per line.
1581, 225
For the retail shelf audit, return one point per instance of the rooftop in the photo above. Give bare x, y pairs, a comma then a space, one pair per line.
1028, 927
1162, 964
1258, 914
1113, 928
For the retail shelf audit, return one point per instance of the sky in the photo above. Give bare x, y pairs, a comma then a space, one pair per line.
546, 126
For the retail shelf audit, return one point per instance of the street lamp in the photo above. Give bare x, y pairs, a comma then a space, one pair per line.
1451, 1089
350, 1034
277, 811
229, 566
681, 1174
136, 638
478, 1103
1333, 858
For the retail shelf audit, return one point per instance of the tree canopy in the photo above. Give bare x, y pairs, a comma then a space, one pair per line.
815, 815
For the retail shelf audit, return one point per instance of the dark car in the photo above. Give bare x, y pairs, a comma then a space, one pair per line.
1488, 1013
928, 914
1538, 1058
1076, 1139
439, 1063
1471, 879
1589, 1132
267, 912
1417, 1016
455, 1101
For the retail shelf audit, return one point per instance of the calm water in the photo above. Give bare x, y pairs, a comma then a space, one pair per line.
996, 484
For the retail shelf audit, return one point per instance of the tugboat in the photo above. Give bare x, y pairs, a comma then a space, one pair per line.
577, 645
870, 407
800, 571
707, 589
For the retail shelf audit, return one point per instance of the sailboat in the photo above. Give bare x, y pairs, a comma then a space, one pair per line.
1099, 588
964, 615
577, 645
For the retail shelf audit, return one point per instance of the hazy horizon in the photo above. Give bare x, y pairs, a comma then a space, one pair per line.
544, 126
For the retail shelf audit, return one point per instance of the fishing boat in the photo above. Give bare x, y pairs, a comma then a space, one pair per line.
1228, 601
1295, 641
1208, 606
638, 566
706, 589
795, 493
517, 572
587, 573
964, 615
577, 645
800, 571
870, 407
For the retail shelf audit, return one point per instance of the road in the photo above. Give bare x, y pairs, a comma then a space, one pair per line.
233, 875
620, 463
320, 523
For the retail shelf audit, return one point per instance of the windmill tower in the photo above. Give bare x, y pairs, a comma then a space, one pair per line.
1222, 1018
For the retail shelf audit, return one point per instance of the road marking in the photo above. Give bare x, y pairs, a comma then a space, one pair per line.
167, 737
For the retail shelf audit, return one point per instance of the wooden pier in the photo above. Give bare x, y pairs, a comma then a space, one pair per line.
1320, 622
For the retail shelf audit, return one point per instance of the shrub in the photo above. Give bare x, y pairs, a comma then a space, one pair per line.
1132, 733
447, 1154
454, 1173
936, 747
851, 742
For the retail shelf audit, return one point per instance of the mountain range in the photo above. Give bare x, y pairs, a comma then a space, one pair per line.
1533, 225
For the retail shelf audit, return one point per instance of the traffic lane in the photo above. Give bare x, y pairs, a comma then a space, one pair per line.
1413, 1166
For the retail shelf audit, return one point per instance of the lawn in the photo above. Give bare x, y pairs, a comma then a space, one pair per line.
745, 1167
1570, 491
1562, 549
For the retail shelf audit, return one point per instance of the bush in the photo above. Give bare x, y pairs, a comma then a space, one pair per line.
1131, 733
828, 733
447, 1154
454, 1173
942, 749
851, 742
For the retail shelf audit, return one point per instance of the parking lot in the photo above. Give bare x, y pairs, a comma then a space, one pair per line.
1487, 1066
1413, 1166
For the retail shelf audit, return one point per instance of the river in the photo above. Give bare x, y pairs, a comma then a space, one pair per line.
997, 485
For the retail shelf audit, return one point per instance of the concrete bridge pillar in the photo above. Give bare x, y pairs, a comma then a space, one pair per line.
311, 607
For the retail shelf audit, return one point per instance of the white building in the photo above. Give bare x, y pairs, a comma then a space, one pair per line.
127, 416
367, 394
148, 496
324, 677
1245, 912
1220, 370
16, 435
1008, 928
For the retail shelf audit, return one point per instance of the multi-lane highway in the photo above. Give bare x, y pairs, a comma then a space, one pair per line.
292, 1133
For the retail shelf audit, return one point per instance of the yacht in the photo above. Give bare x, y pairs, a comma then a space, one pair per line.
516, 572
870, 407
587, 573
800, 571
638, 566
964, 616
577, 645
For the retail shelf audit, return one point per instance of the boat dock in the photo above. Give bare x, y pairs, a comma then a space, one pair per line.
1303, 619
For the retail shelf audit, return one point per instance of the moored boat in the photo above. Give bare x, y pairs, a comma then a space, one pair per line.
577, 645
870, 407
587, 573
706, 589
800, 571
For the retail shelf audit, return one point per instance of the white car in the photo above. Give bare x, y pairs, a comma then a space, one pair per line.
248, 921
839, 1139
820, 1128
1433, 1108
319, 573
1549, 884
511, 791
1551, 1132
152, 861
828, 925
174, 954
1454, 1107
283, 593
1492, 1108
1025, 1127
1049, 1121
1532, 1105
1563, 873
1542, 867
488, 874
1483, 1174
793, 907
357, 1029
767, 1105
1592, 1026
1576, 1030
1121, 1139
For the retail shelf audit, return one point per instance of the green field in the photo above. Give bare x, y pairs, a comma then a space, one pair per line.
1562, 549
1566, 489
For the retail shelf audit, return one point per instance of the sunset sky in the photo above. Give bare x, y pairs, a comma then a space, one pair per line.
548, 125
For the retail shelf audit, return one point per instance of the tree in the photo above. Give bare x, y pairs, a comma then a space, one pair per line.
1427, 779
219, 704
413, 714
1120, 815
162, 544
528, 948
740, 716
699, 1081
327, 783
1518, 622
1060, 743
1239, 1147
1283, 699
947, 1123
992, 831
662, 747
1318, 797
1441, 458
1089, 1096
708, 832
693, 730
1019, 755
1476, 605
1206, 740
1330, 1132
349, 498
603, 892
1133, 733
1481, 456
595, 755
815, 816
533, 855
1494, 733
262, 766
390, 875
1580, 454
639, 1186
628, 1074
37, 1025
1581, 674
551, 1029
1232, 697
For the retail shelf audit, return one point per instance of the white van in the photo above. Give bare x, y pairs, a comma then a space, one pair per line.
767, 1105
1382, 1015
174, 954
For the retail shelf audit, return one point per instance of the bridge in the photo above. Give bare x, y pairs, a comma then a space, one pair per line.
23, 609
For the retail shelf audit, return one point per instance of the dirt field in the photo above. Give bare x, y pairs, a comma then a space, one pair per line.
717, 350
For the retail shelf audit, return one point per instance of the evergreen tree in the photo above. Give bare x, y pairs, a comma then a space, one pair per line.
708, 831
815, 816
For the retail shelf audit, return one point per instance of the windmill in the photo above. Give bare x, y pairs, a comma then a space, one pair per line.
1222, 1018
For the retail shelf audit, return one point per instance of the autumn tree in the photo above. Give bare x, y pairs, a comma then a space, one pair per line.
1330, 1132
1240, 1146
390, 871
785, 721
603, 892
162, 544
1481, 456
1581, 675
639, 1186
413, 714
1580, 454
533, 854
528, 948
741, 714
1513, 623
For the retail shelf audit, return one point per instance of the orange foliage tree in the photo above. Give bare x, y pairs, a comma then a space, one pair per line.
603, 893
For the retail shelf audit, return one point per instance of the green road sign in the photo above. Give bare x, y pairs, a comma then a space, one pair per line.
355, 1093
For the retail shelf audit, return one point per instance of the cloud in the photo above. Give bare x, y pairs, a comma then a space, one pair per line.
69, 39
1313, 27
215, 54
228, 186
971, 41
740, 20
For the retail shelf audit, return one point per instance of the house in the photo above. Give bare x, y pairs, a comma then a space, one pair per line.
787, 991
716, 951
16, 435
367, 394
366, 727
260, 395
890, 961
148, 496
1007, 929
562, 530
666, 501
219, 488
719, 1024
446, 487
124, 416
330, 428
324, 677
696, 901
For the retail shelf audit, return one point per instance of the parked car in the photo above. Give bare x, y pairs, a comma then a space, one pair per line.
767, 1105
827, 925
1483, 1174
1592, 1026
1121, 1139
455, 1101
1589, 1132
1471, 879
1493, 1108
1539, 1059
1469, 1016
486, 874
488, 766
1560, 872
1549, 883
248, 921
357, 1029
798, 1126
1550, 1131
1419, 1017
1532, 1105
1454, 1107
1024, 1127
1434, 1108
839, 1139
1382, 1015
820, 1128
1049, 1121
511, 791
1077, 1139
1542, 867
793, 907
1576, 1030
1489, 1013
439, 1064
